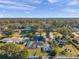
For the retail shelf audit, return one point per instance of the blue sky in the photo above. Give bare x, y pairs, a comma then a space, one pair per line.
39, 8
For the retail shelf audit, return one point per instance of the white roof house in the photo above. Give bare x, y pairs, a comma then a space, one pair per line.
11, 40
51, 35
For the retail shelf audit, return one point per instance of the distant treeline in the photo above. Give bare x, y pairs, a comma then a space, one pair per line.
38, 22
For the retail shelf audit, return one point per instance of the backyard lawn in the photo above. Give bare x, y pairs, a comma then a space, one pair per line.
36, 52
74, 51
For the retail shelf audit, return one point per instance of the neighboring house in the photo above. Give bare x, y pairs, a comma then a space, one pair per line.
47, 48
40, 44
34, 44
25, 39
11, 40
60, 42
75, 28
38, 38
51, 35
34, 57
31, 44
45, 57
16, 33
76, 37
25, 31
41, 33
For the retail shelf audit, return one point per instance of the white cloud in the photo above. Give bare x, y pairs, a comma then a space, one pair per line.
1, 16
16, 5
36, 1
13, 3
70, 10
73, 2
53, 1
27, 12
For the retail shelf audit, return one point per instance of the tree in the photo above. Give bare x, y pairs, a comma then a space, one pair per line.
65, 31
52, 53
7, 33
13, 51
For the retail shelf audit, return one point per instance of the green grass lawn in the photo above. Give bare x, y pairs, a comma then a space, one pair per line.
38, 52
74, 51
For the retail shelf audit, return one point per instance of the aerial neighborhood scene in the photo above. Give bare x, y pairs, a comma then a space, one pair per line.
39, 38
39, 29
